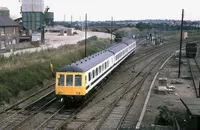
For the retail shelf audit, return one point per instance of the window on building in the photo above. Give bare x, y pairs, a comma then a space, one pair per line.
2, 45
2, 30
14, 30
61, 80
13, 41
78, 80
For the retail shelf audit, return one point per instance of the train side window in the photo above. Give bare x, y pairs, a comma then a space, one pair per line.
61, 80
93, 74
69, 80
85, 79
102, 67
96, 71
89, 75
78, 80
108, 63
99, 69
105, 65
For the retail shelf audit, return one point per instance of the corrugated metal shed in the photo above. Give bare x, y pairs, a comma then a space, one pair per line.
6, 21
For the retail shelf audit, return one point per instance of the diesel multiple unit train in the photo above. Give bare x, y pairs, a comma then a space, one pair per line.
76, 80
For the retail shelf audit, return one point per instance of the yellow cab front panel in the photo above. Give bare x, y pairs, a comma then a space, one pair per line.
70, 83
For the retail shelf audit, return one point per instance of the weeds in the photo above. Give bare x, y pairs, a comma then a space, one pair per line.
169, 117
23, 72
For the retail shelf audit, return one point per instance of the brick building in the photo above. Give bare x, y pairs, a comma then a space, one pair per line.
9, 33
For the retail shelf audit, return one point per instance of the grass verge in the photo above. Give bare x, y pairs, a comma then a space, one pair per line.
22, 73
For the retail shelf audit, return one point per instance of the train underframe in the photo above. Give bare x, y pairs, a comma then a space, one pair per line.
190, 54
71, 101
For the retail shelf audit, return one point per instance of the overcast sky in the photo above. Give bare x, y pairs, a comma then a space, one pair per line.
119, 9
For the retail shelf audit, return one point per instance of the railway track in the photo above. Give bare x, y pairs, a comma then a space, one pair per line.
195, 73
48, 112
146, 53
57, 119
142, 58
17, 118
104, 106
53, 119
19, 104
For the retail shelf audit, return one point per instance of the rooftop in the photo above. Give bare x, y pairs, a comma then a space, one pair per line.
4, 8
6, 21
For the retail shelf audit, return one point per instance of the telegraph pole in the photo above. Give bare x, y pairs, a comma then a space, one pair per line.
85, 35
111, 29
179, 69
71, 20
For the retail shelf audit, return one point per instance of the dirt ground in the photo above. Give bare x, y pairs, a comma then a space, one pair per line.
183, 88
53, 40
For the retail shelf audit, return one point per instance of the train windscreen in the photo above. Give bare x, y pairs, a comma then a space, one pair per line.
69, 80
61, 80
78, 80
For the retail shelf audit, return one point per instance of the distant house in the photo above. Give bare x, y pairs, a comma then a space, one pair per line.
9, 33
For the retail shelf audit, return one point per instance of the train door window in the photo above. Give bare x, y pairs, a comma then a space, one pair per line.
78, 80
89, 75
99, 69
105, 65
61, 80
96, 71
85, 79
69, 80
102, 67
93, 74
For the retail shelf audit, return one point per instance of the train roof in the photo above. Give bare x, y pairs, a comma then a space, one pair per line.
117, 48
89, 62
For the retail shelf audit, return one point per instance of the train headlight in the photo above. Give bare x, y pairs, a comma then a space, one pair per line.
61, 99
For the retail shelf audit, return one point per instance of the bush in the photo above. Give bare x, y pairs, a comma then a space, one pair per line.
166, 117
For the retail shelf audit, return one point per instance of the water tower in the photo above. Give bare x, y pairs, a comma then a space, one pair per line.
32, 17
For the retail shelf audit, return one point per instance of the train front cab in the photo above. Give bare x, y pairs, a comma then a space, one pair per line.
70, 85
